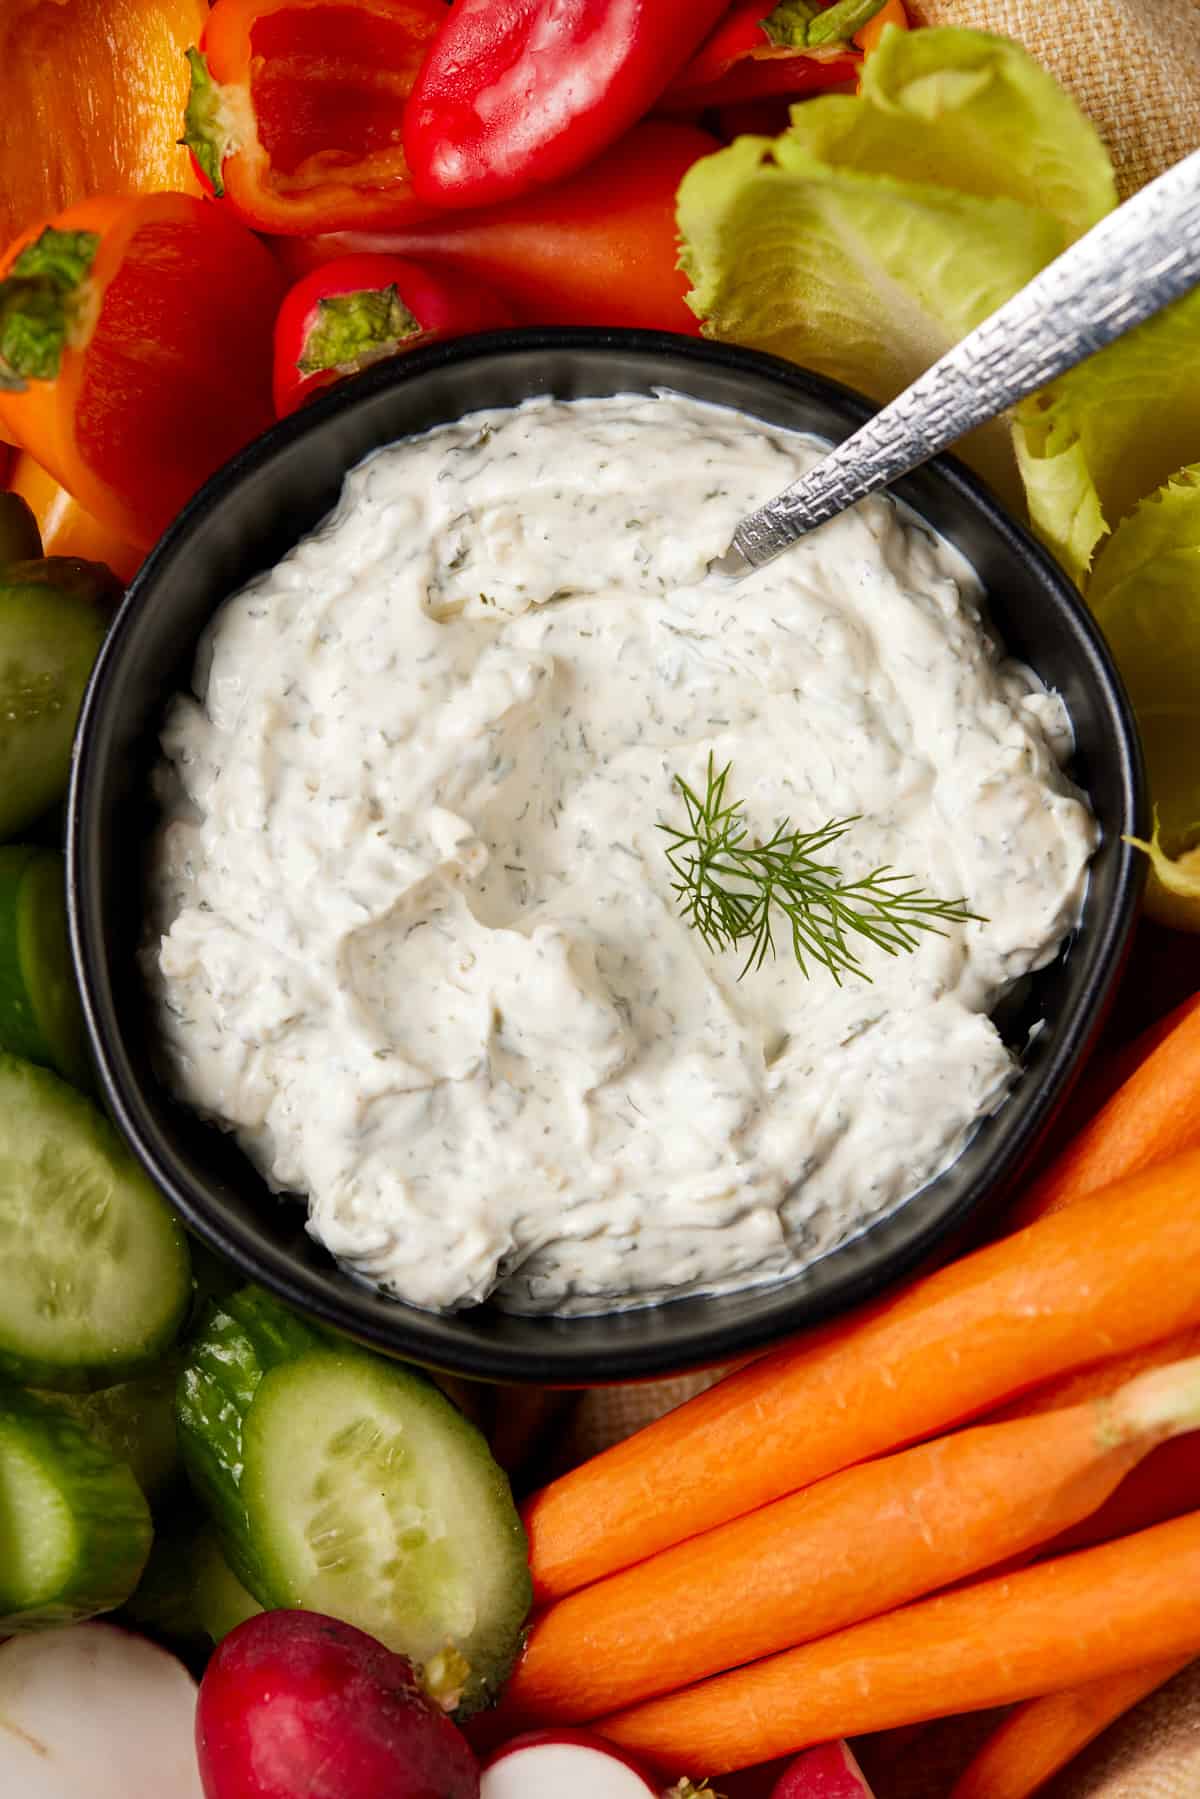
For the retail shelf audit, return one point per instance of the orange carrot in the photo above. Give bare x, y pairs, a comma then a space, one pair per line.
1118, 1269
857, 1544
1105, 1073
1078, 1384
1165, 1485
1058, 1624
1154, 1115
1030, 1746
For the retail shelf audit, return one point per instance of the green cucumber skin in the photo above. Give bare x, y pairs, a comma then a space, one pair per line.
109, 1508
41, 1019
19, 1032
249, 1337
237, 1341
221, 1601
50, 636
31, 1099
491, 1649
135, 1422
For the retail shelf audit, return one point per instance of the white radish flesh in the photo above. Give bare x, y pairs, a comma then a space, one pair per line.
557, 1765
92, 1710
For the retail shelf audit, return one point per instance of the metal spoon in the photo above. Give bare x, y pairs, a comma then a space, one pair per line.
1129, 266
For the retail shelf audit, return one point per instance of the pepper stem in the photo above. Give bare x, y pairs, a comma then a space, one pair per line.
41, 301
204, 130
351, 329
800, 25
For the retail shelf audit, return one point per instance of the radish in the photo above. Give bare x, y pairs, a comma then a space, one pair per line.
555, 1764
827, 1772
92, 1709
296, 1703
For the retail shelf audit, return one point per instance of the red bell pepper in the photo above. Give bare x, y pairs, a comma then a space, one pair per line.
753, 55
135, 351
361, 309
516, 94
600, 249
297, 109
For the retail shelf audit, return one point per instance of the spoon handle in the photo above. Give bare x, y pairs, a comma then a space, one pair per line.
1129, 266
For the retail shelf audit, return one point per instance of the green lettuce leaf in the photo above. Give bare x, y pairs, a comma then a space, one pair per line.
1145, 593
967, 111
864, 278
1113, 430
880, 228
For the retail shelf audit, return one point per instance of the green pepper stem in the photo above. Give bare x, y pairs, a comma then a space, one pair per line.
41, 303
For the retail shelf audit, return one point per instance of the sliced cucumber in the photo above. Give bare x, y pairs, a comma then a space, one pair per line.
344, 1483
369, 1496
221, 1601
53, 617
40, 1015
238, 1340
74, 1524
135, 1421
94, 1274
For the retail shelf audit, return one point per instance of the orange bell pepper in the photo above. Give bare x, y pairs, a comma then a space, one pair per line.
890, 13
66, 529
296, 110
93, 92
135, 351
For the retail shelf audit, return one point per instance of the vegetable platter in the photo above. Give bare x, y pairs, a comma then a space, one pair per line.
243, 1558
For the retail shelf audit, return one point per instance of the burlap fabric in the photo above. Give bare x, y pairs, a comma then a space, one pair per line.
1134, 66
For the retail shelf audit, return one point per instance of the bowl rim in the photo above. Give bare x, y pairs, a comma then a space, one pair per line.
274, 1265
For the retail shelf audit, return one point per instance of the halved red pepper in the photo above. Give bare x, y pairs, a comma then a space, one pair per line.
361, 309
600, 249
135, 351
517, 94
754, 54
297, 110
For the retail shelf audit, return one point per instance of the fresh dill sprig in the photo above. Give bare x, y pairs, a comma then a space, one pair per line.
729, 887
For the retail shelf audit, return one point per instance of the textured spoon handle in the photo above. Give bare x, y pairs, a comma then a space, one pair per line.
1137, 260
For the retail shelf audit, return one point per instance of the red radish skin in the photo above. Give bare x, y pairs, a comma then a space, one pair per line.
294, 1703
552, 1764
827, 1772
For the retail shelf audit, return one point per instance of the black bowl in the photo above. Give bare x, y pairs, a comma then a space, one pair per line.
244, 520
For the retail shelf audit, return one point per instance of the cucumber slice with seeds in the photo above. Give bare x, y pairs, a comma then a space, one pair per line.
74, 1524
370, 1497
345, 1483
94, 1274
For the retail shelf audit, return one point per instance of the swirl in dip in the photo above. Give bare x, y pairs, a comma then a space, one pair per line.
412, 936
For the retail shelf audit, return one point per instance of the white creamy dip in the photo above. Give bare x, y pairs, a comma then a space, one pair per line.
412, 935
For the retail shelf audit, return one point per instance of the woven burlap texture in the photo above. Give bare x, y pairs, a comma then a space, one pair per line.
1133, 66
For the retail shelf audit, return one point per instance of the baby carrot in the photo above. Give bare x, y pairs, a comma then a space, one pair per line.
1037, 1739
1106, 1072
1057, 1624
1119, 1269
857, 1544
1153, 1115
